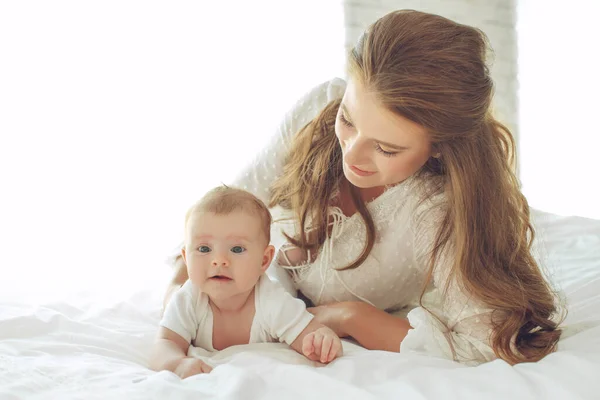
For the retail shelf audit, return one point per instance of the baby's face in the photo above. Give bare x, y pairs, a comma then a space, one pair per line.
226, 254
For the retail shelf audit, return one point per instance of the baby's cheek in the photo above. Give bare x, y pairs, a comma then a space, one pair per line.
249, 277
196, 274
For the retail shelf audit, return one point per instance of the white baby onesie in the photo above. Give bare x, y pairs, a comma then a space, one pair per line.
279, 316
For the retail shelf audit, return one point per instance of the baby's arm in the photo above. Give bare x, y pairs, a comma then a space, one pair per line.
178, 326
288, 321
170, 353
318, 343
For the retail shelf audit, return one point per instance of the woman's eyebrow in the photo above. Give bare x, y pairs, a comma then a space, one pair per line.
390, 145
393, 146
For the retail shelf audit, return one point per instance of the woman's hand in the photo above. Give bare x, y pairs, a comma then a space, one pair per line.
372, 328
335, 316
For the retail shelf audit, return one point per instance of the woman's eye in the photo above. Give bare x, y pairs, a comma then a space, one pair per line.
345, 121
204, 249
238, 249
385, 153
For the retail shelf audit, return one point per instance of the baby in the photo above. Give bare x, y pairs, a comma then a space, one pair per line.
228, 299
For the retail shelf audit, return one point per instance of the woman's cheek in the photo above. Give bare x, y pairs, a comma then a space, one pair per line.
340, 132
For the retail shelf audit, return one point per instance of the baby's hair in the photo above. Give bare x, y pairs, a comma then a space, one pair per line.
224, 200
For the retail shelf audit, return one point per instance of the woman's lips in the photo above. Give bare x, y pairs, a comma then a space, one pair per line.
360, 172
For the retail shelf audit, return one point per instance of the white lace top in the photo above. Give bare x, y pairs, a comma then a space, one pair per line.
392, 276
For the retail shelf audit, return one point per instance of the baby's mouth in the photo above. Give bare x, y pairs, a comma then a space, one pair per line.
221, 278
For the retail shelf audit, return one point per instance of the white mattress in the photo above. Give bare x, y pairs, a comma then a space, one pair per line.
74, 349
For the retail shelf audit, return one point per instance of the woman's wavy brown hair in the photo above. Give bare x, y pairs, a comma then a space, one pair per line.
433, 71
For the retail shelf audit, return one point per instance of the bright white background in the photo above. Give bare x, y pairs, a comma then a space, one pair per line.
559, 77
116, 115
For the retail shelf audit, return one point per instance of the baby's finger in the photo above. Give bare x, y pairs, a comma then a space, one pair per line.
194, 370
308, 345
336, 350
325, 348
317, 343
206, 368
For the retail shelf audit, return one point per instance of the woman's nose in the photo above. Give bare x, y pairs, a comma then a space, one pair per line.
353, 150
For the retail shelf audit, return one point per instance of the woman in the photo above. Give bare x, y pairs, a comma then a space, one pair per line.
395, 191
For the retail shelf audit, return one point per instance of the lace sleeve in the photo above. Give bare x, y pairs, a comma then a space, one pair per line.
453, 324
267, 166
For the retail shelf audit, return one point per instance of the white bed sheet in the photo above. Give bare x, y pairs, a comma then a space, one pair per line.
87, 350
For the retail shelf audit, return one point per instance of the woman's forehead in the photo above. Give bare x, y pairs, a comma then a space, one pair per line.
374, 120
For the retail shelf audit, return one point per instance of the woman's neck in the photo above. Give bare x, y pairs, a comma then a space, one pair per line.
344, 201
367, 194
370, 194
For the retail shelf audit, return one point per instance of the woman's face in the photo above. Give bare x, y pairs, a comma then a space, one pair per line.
380, 148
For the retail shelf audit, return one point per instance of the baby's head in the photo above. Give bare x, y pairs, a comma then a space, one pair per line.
227, 236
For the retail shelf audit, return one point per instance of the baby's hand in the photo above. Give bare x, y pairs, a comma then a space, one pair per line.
322, 345
189, 366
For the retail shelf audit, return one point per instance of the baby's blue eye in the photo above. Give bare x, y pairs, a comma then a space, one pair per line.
204, 249
238, 249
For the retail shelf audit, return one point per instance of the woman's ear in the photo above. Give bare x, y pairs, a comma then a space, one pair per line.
435, 151
268, 257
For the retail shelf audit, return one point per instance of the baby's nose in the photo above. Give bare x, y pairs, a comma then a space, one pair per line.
220, 261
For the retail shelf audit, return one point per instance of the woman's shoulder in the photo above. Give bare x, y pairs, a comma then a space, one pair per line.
418, 192
336, 88
313, 101
419, 198
331, 89
429, 200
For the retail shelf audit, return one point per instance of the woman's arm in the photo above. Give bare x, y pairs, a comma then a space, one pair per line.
374, 329
461, 327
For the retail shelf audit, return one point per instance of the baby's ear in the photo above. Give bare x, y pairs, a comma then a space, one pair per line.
267, 257
183, 254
